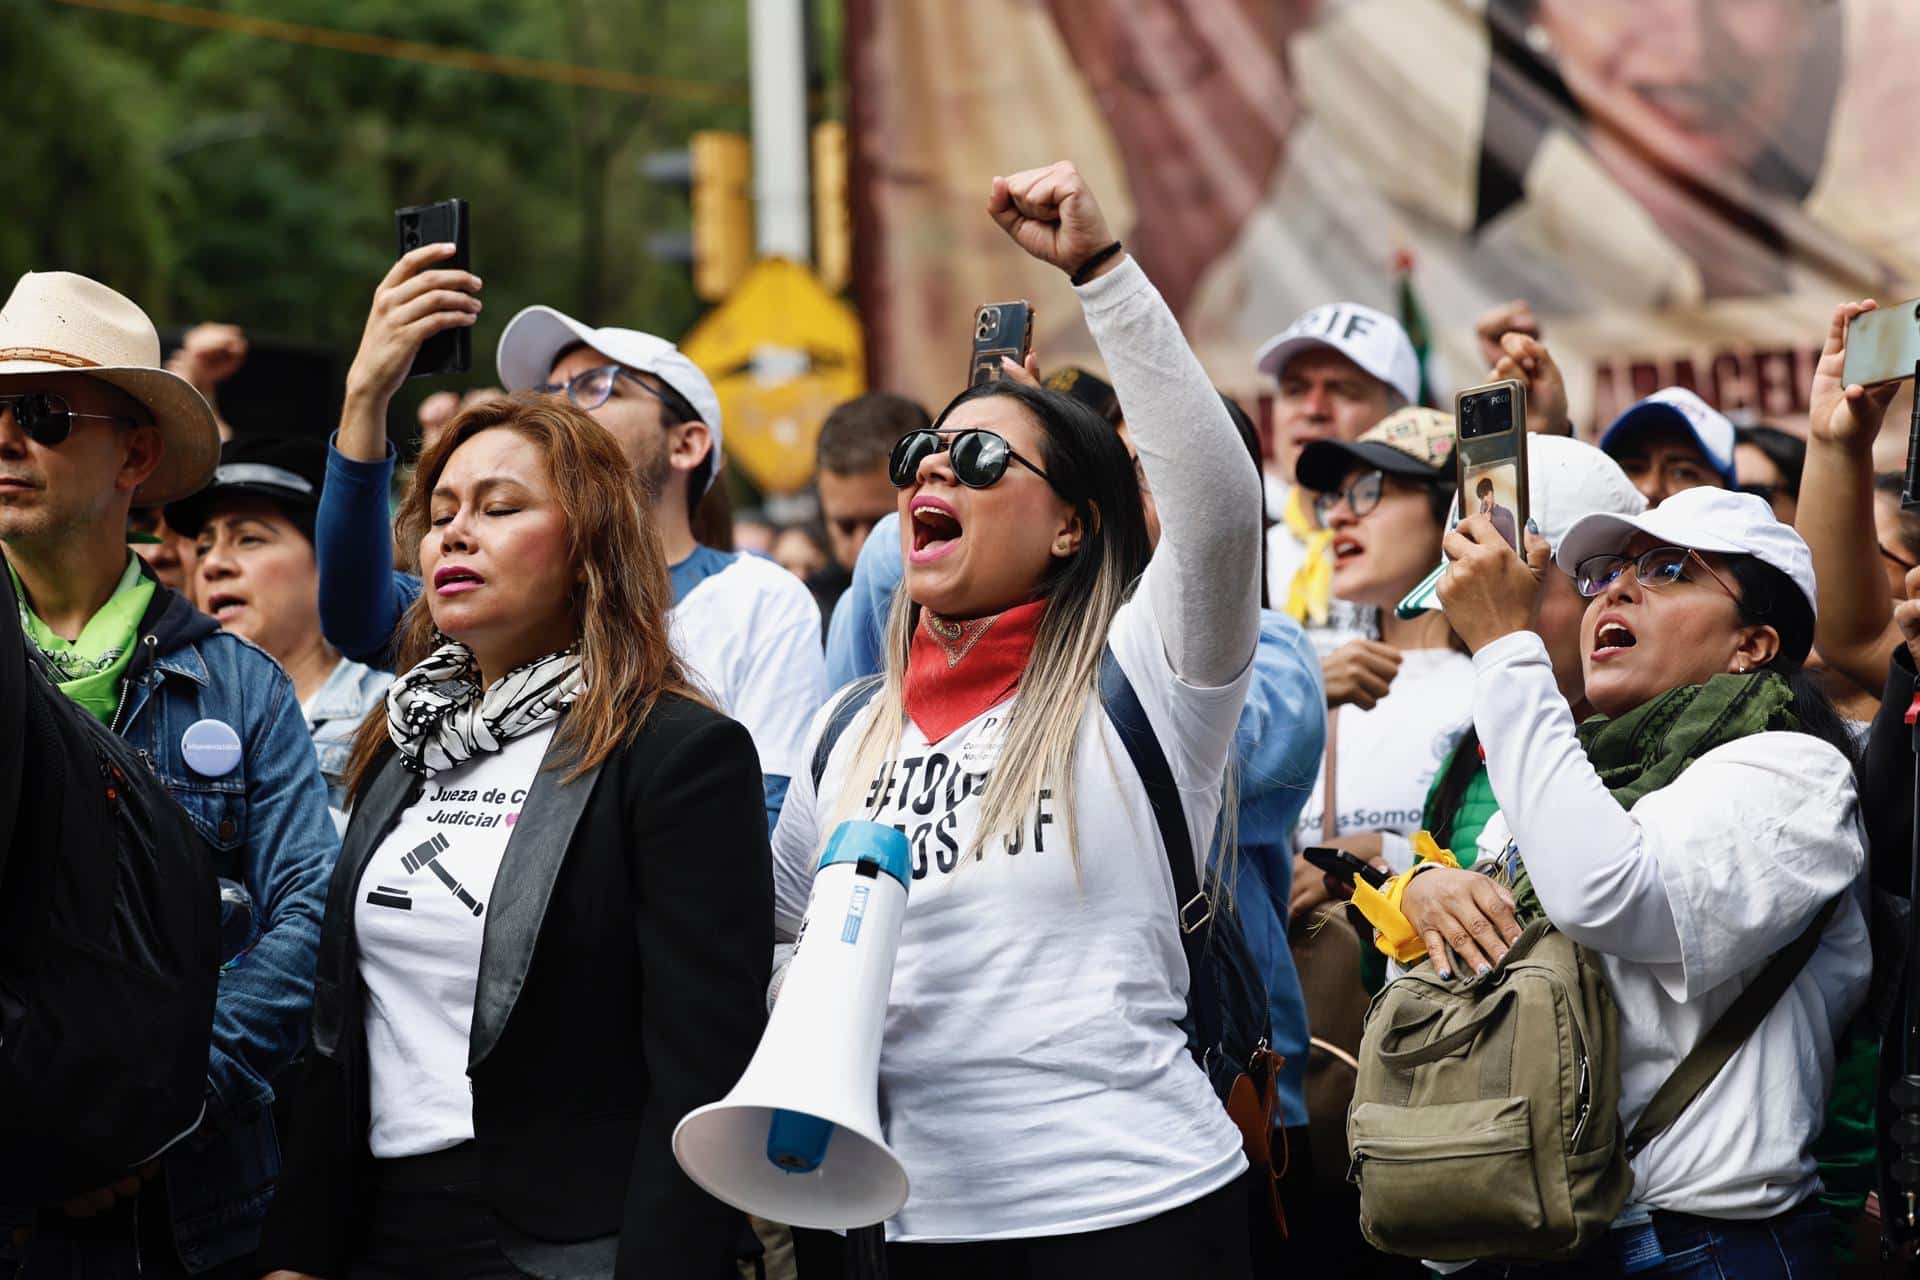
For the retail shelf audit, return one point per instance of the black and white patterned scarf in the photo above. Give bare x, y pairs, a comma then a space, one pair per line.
438, 715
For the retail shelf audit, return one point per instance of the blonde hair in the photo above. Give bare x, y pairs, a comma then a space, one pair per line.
1083, 594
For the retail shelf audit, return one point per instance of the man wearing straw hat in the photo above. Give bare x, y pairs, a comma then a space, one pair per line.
91, 426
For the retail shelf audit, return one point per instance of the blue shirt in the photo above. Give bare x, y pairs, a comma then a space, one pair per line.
1278, 744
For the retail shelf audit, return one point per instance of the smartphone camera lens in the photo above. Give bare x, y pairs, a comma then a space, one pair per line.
410, 233
989, 323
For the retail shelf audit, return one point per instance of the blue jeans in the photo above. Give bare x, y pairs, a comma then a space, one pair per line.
1796, 1245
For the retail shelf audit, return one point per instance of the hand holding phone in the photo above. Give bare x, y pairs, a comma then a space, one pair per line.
1490, 454
447, 350
1000, 329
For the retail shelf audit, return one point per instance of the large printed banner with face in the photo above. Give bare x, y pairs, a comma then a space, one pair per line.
1681, 188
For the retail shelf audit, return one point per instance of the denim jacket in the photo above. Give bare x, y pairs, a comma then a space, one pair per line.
333, 717
268, 824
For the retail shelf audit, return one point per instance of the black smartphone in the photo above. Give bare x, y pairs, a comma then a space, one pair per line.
450, 350
1338, 862
1490, 451
999, 329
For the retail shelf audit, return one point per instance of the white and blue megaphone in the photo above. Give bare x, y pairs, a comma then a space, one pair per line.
798, 1139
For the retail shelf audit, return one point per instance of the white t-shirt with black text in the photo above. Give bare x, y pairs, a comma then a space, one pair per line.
1032, 1078
419, 916
1385, 758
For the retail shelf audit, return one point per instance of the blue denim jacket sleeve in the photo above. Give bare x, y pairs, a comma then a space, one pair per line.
361, 594
260, 1017
858, 629
1279, 742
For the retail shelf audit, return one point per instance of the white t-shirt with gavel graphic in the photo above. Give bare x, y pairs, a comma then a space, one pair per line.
420, 915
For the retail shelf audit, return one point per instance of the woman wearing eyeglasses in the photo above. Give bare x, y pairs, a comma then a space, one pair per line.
1697, 826
1034, 1079
1397, 704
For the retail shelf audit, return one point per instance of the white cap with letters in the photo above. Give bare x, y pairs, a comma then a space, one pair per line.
1371, 339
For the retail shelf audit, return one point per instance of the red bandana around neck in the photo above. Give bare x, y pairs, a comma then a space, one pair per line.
956, 670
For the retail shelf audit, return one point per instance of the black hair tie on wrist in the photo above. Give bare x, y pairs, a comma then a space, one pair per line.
1079, 277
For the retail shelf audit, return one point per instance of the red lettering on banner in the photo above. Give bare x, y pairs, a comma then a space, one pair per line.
1766, 383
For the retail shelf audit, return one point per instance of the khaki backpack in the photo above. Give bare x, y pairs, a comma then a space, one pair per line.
1486, 1116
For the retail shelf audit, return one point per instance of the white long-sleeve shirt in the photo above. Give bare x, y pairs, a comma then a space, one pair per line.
1032, 1077
1685, 898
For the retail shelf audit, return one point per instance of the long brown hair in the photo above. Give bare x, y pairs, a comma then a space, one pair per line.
619, 609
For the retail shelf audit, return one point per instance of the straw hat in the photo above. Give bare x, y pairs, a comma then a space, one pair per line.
58, 322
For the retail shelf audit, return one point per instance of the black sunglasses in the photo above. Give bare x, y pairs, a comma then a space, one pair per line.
47, 418
979, 458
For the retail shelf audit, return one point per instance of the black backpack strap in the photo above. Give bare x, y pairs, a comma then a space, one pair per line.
1724, 1038
857, 695
1129, 719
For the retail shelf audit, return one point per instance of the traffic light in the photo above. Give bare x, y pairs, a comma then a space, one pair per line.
722, 212
832, 221
717, 171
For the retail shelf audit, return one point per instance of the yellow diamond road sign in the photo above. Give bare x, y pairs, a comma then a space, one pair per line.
781, 352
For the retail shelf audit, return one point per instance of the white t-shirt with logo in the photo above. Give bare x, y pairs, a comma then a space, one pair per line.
750, 636
1033, 1080
1385, 758
419, 917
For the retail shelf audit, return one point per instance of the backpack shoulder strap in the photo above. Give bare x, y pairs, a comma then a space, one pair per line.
1724, 1038
1129, 718
857, 695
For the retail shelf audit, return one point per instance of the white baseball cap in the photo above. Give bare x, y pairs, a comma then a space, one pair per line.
1705, 519
1677, 406
1371, 339
1567, 481
534, 338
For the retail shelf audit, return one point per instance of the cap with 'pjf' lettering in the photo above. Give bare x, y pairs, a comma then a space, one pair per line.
1371, 339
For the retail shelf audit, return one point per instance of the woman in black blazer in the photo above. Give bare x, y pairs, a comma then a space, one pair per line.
546, 936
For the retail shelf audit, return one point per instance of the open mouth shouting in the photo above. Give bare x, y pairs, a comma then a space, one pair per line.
1611, 638
225, 606
936, 529
1346, 548
455, 579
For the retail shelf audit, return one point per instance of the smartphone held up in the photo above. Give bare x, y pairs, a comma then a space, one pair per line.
444, 222
1000, 329
1491, 456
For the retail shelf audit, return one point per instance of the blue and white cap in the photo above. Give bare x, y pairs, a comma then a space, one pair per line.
1677, 406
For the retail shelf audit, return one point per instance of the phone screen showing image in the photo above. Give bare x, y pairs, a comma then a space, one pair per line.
1492, 426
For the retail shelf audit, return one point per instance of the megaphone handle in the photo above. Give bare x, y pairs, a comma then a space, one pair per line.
867, 1253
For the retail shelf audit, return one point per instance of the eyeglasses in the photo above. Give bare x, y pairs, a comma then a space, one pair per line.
47, 418
1906, 565
594, 387
1660, 567
979, 458
1361, 497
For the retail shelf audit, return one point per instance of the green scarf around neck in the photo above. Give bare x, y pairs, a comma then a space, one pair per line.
1651, 745
91, 667
1647, 748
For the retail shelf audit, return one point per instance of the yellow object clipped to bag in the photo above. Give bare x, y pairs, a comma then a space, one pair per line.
1393, 934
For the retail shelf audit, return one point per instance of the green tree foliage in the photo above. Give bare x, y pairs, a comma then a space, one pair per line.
215, 175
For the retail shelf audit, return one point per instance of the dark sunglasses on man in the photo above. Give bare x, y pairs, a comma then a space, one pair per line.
978, 457
48, 419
